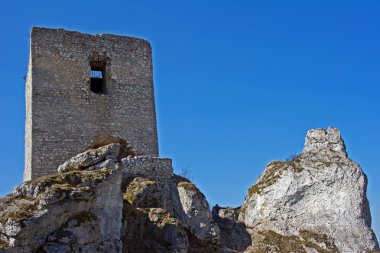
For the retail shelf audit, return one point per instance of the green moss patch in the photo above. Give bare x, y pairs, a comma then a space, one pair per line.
69, 181
71, 178
136, 187
319, 238
296, 244
161, 217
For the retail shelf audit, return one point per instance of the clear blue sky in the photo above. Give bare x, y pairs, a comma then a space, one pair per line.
237, 85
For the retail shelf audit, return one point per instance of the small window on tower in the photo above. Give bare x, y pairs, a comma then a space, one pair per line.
97, 80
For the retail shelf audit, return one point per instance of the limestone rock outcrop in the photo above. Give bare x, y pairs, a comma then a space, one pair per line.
320, 194
97, 203
233, 234
197, 210
70, 212
101, 201
101, 157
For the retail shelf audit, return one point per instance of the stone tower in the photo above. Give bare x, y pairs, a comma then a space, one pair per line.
82, 86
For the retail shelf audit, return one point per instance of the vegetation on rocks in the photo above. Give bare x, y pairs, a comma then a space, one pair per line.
68, 181
72, 178
273, 172
135, 189
162, 212
281, 243
187, 185
184, 182
16, 208
21, 205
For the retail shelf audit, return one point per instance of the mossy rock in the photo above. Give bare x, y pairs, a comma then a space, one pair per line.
21, 206
294, 243
161, 217
17, 208
69, 181
135, 192
272, 173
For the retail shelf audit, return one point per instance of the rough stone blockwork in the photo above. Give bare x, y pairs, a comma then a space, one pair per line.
150, 167
82, 86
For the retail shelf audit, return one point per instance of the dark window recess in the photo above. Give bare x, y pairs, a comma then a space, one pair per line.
97, 80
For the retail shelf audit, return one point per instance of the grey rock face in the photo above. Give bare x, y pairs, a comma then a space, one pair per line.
233, 234
91, 157
147, 193
152, 230
321, 191
197, 210
150, 183
78, 211
313, 203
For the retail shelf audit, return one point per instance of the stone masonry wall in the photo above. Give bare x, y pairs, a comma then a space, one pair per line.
160, 169
64, 116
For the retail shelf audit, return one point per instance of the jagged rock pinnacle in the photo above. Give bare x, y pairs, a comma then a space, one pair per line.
318, 139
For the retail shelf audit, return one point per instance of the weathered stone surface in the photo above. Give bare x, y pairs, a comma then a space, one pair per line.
92, 159
146, 193
152, 230
148, 183
150, 167
321, 191
77, 211
313, 203
304, 242
197, 210
64, 115
233, 233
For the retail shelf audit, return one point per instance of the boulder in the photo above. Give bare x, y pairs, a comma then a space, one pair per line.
197, 211
92, 157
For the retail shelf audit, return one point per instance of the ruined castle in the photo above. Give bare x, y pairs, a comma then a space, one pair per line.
82, 86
